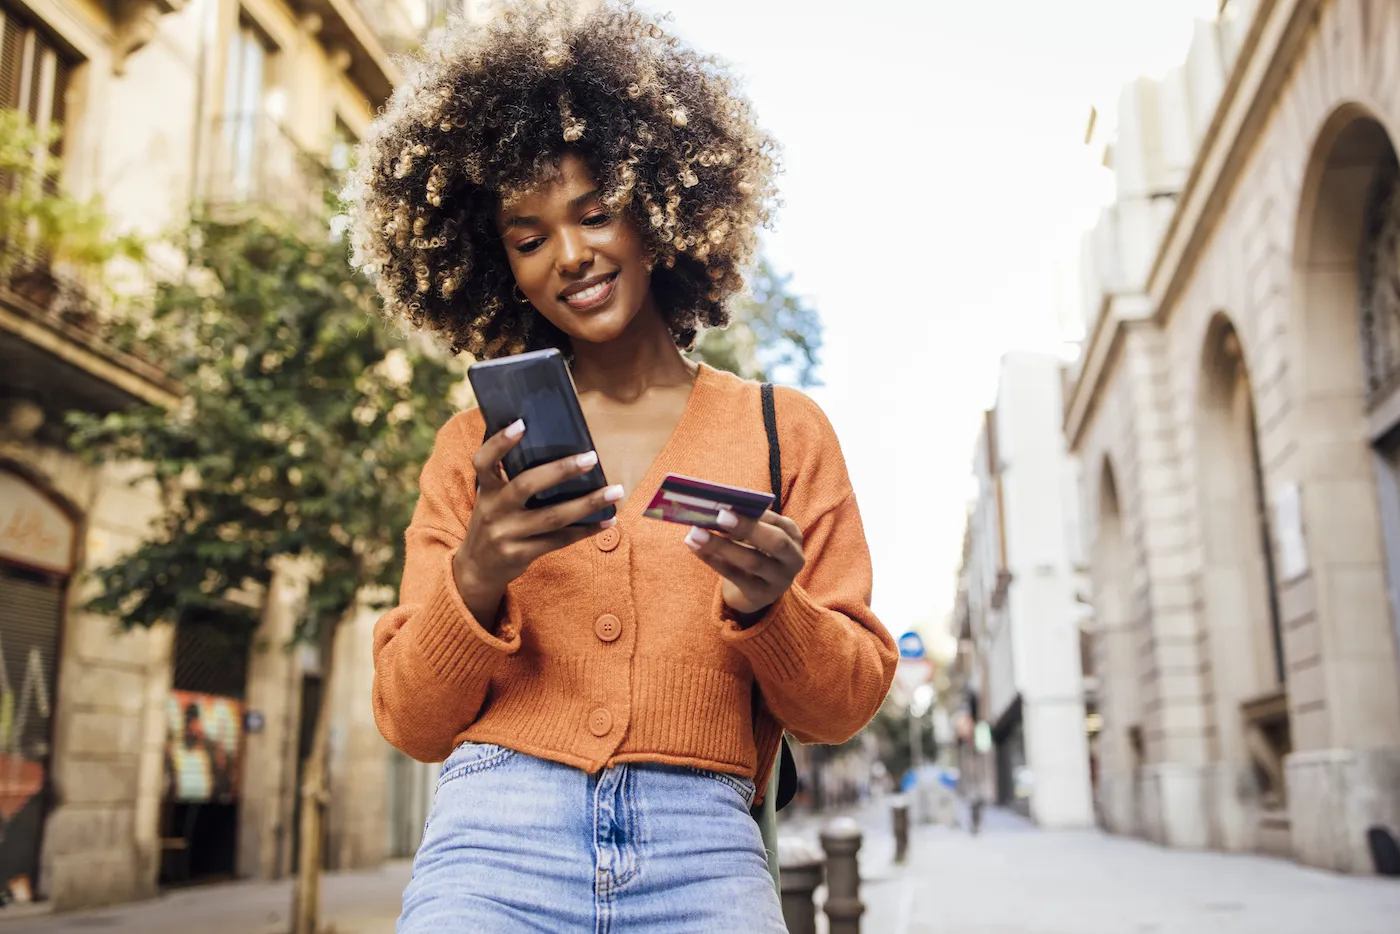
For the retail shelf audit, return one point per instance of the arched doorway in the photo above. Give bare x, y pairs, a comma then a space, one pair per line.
1378, 306
1347, 311
1346, 429
1121, 751
1244, 633
37, 546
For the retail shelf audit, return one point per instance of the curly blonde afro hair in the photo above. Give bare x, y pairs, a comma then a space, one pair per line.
487, 112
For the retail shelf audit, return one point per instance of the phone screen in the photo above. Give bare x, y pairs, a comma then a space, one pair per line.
551, 433
536, 387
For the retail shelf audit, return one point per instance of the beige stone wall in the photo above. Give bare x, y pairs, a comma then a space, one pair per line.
1282, 271
1147, 641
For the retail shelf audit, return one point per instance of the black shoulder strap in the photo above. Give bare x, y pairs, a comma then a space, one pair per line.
775, 451
786, 765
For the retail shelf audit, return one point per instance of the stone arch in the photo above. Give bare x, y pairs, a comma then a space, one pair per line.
1118, 661
1345, 315
40, 482
69, 511
1248, 733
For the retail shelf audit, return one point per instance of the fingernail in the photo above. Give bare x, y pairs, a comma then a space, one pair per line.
586, 461
516, 428
727, 519
608, 523
612, 494
696, 537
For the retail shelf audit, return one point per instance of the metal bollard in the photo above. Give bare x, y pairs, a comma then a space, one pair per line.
801, 872
841, 841
900, 812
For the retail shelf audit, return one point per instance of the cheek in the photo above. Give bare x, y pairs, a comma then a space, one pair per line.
628, 242
519, 265
530, 272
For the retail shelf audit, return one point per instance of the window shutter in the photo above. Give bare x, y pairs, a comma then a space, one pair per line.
11, 53
34, 73
31, 610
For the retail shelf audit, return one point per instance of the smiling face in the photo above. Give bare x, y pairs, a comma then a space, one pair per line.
583, 268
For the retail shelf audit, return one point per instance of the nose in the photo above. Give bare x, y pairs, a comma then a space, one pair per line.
575, 255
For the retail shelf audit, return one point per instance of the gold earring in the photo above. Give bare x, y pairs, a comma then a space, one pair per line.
519, 295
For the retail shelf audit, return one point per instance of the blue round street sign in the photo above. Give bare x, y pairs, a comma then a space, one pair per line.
911, 646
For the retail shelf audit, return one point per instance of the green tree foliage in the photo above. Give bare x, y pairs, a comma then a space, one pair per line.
303, 427
773, 336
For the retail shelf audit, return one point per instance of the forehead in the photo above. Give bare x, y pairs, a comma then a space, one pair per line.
558, 183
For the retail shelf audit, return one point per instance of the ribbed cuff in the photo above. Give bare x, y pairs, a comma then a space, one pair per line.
459, 648
777, 645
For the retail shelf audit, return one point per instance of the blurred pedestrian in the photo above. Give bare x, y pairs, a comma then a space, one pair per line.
605, 697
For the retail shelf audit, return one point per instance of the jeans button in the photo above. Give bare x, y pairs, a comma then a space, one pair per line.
600, 722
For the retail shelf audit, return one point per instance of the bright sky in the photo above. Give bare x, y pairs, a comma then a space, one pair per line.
935, 191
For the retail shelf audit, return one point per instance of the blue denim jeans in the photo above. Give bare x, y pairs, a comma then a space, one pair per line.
520, 844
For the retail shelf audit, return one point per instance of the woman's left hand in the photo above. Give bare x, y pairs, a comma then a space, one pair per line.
758, 558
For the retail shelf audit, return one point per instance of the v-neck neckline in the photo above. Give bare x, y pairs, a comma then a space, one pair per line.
639, 498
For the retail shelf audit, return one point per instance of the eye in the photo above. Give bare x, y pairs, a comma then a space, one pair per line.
529, 246
597, 219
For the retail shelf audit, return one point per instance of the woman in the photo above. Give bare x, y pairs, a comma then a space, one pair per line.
603, 697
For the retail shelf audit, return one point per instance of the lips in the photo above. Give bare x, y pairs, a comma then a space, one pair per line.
589, 292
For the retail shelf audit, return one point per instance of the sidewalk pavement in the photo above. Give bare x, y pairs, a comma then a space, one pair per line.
351, 903
885, 885
1010, 879
1087, 882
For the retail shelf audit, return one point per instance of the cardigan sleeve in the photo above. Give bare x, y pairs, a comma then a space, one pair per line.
433, 660
822, 660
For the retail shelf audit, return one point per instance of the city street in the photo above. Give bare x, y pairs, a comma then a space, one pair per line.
1015, 880
1011, 879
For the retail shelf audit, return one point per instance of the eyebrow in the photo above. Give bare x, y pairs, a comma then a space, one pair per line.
531, 220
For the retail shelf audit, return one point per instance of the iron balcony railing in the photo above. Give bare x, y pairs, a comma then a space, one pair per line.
71, 304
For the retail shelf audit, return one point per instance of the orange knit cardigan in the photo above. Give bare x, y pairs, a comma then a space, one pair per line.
616, 649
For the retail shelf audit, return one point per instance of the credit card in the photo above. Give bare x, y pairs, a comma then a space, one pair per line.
688, 501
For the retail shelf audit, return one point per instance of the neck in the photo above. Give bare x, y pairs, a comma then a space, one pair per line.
642, 357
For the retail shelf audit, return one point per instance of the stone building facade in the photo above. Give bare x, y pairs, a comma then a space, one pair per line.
164, 103
1234, 410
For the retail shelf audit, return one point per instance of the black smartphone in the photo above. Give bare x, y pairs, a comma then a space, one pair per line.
537, 387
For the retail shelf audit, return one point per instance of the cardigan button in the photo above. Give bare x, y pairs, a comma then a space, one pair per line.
608, 539
600, 722
608, 627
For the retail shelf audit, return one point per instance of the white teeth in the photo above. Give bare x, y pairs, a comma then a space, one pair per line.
588, 294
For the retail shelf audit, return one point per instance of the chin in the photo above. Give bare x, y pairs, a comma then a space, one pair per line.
601, 328
597, 332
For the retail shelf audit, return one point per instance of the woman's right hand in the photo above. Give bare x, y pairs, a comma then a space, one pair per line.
504, 537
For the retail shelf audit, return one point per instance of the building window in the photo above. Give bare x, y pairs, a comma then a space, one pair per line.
34, 75
250, 103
